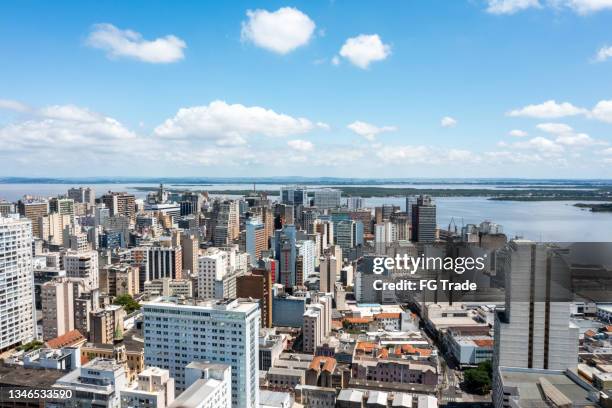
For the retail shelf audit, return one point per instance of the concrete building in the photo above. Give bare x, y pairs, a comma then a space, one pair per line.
256, 240
223, 332
327, 198
209, 386
257, 285
169, 287
96, 384
33, 210
317, 322
212, 268
58, 306
86, 195
83, 265
153, 389
120, 204
424, 225
119, 279
190, 246
288, 311
17, 313
106, 325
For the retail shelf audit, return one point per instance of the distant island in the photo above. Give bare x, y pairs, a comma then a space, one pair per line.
607, 207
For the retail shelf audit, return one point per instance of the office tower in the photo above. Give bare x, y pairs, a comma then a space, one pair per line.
212, 268
86, 195
6, 208
17, 318
306, 250
294, 196
365, 216
177, 333
348, 234
258, 285
62, 206
190, 246
106, 325
101, 215
153, 389
120, 279
256, 240
286, 253
34, 209
52, 227
424, 220
120, 204
534, 329
58, 307
326, 230
327, 198
158, 262
355, 203
226, 222
401, 226
328, 268
82, 265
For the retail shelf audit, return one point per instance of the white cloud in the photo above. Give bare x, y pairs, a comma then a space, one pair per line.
12, 105
576, 139
231, 124
131, 44
603, 54
448, 122
368, 130
603, 111
335, 60
607, 152
518, 133
548, 110
510, 6
300, 145
540, 144
586, 6
365, 49
555, 128
281, 31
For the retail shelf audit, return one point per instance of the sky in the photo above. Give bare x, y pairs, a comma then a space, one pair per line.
454, 88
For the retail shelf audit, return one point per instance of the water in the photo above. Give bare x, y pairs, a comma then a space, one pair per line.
537, 220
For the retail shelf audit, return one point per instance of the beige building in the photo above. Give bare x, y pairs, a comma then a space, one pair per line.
117, 280
154, 388
106, 325
169, 287
82, 265
58, 306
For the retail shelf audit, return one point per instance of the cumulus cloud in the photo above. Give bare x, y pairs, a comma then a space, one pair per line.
548, 110
603, 54
518, 133
364, 49
369, 131
578, 6
281, 31
300, 145
510, 6
448, 122
603, 111
231, 123
555, 128
540, 144
12, 105
131, 44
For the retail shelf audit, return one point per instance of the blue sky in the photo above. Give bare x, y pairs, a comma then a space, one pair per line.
313, 88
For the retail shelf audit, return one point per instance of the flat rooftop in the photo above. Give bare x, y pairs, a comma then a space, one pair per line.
28, 377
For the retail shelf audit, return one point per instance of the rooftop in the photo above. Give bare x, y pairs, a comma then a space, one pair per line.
28, 377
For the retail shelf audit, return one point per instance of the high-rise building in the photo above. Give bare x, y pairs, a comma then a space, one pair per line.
177, 333
62, 206
424, 220
256, 240
83, 265
106, 325
33, 210
317, 322
6, 208
190, 245
157, 262
17, 318
120, 279
285, 251
328, 268
86, 195
258, 285
212, 268
355, 203
534, 329
327, 198
207, 385
58, 306
120, 203
294, 196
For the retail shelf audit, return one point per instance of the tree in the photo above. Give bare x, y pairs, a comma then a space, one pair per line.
478, 380
128, 303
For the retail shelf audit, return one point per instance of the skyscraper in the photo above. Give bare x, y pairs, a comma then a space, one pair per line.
33, 209
17, 308
256, 240
534, 329
327, 198
120, 203
178, 333
83, 195
424, 220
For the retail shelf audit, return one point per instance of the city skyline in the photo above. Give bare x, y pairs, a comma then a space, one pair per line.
443, 89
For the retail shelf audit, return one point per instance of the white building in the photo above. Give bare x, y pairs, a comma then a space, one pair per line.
208, 386
83, 265
212, 267
17, 307
177, 333
97, 384
154, 389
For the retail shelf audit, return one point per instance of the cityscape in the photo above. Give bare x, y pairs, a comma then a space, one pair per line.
180, 298
306, 204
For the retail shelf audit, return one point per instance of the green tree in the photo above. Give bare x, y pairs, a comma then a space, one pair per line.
128, 303
478, 380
